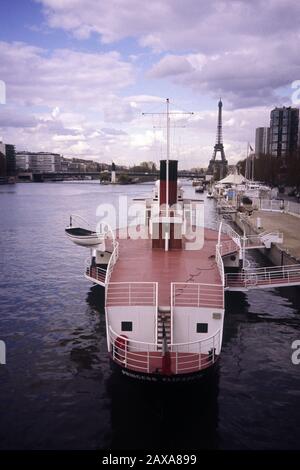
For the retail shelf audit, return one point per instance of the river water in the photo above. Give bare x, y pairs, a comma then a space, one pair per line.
57, 390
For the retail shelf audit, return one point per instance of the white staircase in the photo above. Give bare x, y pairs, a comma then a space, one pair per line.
163, 319
261, 240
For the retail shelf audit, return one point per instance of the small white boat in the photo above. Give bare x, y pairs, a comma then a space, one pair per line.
83, 236
199, 189
197, 182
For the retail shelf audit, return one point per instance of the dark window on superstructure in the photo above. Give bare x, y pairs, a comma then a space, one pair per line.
126, 325
202, 327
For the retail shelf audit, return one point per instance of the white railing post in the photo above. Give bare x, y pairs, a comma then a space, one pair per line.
156, 313
173, 287
125, 352
200, 357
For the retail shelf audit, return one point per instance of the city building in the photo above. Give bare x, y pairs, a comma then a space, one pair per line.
79, 165
22, 161
10, 160
2, 148
7, 160
2, 160
262, 141
284, 125
41, 162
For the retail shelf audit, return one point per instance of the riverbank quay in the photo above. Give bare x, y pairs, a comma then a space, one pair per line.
261, 221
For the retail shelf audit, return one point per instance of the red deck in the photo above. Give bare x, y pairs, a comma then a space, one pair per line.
138, 262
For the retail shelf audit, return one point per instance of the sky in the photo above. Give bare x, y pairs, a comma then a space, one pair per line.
80, 73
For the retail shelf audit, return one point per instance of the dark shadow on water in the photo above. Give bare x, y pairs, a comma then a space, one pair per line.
95, 298
166, 416
88, 342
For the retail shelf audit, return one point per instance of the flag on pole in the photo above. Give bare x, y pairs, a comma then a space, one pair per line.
250, 148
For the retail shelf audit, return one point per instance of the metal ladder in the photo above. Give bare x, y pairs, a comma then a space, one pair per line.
163, 318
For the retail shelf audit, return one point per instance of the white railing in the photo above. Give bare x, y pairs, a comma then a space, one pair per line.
218, 255
233, 235
99, 274
134, 355
271, 237
263, 239
253, 241
195, 355
228, 246
197, 295
131, 294
184, 357
292, 208
274, 275
272, 205
112, 261
240, 243
275, 205
220, 264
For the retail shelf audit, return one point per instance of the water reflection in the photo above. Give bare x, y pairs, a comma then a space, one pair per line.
152, 416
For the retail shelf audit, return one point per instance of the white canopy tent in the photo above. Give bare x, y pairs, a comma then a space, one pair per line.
234, 179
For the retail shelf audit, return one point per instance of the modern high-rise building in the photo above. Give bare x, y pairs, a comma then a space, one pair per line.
10, 160
2, 160
41, 162
262, 141
284, 125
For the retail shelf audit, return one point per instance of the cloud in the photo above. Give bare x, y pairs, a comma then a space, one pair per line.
247, 50
246, 78
9, 117
173, 24
142, 99
171, 65
89, 102
62, 78
109, 131
68, 138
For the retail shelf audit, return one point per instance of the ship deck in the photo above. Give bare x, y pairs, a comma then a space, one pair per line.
138, 262
179, 363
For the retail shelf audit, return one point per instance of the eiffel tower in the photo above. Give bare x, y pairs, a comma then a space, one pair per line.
218, 168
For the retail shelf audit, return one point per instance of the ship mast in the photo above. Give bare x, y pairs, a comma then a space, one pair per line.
167, 114
168, 156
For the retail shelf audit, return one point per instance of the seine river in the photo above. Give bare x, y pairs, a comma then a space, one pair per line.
57, 390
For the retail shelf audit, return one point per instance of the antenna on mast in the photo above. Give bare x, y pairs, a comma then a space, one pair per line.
167, 114
167, 188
